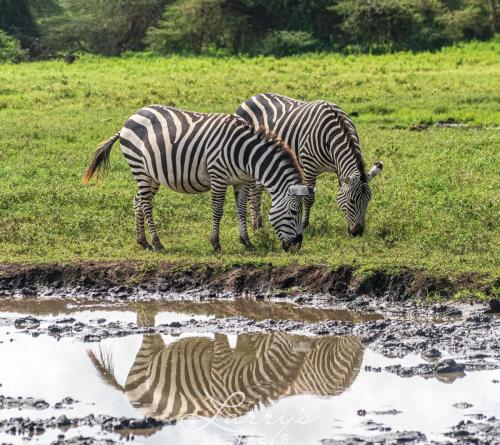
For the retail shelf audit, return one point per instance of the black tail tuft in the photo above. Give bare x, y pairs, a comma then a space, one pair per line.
101, 158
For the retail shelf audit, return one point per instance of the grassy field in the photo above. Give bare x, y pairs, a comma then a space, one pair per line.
435, 206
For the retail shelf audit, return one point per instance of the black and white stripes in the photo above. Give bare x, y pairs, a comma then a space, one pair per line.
196, 152
199, 376
325, 140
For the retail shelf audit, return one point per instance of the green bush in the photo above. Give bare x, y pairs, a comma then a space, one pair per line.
199, 26
10, 49
285, 43
386, 25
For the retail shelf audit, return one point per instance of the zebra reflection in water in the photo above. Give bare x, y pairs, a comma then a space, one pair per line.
200, 376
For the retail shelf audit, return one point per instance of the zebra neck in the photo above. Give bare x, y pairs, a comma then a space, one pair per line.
269, 166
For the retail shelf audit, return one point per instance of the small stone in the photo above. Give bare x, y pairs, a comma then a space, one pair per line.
361, 412
463, 405
448, 366
27, 323
175, 324
63, 421
495, 306
431, 354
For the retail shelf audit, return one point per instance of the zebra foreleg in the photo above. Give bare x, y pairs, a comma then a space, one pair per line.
218, 196
255, 199
241, 197
140, 234
147, 193
308, 203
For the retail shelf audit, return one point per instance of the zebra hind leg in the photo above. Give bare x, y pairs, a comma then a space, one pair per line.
147, 191
241, 198
255, 199
140, 234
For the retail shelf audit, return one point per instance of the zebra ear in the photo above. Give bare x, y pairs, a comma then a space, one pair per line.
301, 190
375, 170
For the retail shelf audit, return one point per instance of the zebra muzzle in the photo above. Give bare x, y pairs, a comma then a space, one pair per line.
297, 241
357, 230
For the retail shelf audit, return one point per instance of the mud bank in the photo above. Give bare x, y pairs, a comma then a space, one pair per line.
127, 277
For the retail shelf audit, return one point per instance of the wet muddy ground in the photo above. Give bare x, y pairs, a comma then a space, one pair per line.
206, 368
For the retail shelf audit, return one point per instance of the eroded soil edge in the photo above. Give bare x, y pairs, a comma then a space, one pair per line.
129, 276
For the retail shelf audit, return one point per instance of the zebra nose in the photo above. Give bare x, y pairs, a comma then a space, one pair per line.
298, 239
357, 230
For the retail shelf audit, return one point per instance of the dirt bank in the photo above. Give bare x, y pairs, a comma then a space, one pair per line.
126, 277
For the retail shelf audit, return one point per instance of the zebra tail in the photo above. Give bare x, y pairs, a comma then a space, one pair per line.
103, 364
100, 161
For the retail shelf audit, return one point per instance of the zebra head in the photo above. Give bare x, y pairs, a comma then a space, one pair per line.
353, 198
286, 215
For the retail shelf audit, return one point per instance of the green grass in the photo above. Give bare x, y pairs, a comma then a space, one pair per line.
435, 206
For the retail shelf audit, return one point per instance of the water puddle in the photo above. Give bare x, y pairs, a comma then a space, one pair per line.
208, 388
244, 307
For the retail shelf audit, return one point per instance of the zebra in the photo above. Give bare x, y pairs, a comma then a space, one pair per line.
204, 377
325, 140
194, 152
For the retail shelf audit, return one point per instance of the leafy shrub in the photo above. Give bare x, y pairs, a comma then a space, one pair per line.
10, 48
284, 43
387, 24
197, 26
108, 28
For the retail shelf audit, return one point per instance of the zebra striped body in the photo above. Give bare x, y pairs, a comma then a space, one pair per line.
203, 377
325, 140
196, 152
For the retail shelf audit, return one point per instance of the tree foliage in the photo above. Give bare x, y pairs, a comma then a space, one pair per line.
17, 20
10, 48
106, 27
279, 27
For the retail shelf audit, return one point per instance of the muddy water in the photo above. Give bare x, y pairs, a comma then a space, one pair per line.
270, 387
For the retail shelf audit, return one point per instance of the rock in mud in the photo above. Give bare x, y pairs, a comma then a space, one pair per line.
448, 366
22, 403
81, 440
405, 437
446, 311
462, 405
486, 432
27, 323
494, 307
431, 354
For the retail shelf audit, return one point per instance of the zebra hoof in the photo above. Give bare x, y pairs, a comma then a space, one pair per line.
246, 242
144, 244
157, 245
217, 249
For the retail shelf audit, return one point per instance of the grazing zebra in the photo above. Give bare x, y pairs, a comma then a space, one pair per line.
202, 377
325, 140
196, 152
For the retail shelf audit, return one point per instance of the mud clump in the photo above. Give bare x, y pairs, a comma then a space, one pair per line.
81, 440
494, 307
485, 432
27, 323
405, 437
29, 427
22, 403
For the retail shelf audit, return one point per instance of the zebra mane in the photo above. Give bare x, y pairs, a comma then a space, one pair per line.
352, 139
271, 137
